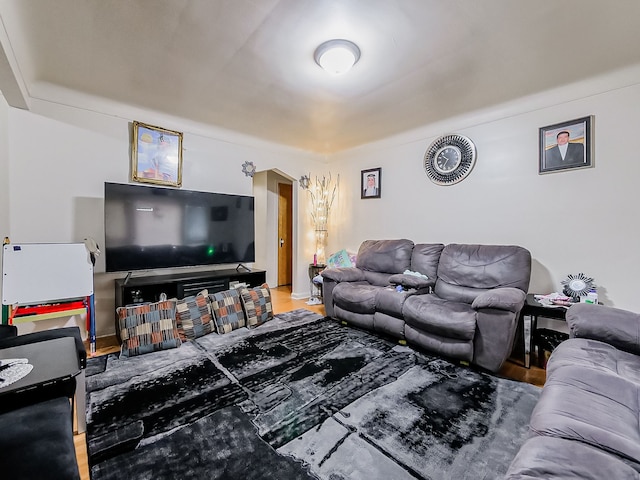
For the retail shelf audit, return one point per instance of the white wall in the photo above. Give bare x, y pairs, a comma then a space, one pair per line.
59, 158
4, 169
573, 221
54, 161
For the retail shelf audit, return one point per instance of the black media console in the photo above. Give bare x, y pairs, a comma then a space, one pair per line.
180, 285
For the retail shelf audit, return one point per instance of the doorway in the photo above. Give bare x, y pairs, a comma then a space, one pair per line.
285, 233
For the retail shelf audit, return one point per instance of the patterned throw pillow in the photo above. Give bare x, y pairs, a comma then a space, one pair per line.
193, 315
257, 305
227, 310
147, 328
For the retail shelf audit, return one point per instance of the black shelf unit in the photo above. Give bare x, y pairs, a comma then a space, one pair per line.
180, 285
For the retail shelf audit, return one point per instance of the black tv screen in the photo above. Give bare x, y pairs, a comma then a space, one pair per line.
154, 227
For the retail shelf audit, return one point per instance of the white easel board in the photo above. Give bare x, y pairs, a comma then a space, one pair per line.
35, 273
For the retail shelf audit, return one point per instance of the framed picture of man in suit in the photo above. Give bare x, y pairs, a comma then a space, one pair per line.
566, 145
371, 185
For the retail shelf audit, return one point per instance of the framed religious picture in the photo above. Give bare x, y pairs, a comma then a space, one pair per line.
156, 155
370, 183
566, 145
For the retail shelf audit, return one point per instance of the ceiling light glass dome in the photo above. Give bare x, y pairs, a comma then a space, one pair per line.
337, 56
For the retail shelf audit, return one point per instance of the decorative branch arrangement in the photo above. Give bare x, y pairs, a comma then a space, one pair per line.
323, 194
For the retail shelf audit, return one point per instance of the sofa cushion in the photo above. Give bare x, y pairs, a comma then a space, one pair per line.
193, 316
227, 309
356, 297
559, 459
465, 271
614, 326
385, 256
37, 442
377, 278
440, 316
147, 328
595, 355
592, 406
389, 301
257, 305
425, 258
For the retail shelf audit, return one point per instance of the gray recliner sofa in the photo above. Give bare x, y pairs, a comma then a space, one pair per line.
585, 424
458, 301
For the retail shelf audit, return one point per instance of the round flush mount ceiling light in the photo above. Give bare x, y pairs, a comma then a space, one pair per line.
337, 56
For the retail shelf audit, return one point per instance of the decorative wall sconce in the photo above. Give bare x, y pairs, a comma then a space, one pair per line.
305, 181
249, 169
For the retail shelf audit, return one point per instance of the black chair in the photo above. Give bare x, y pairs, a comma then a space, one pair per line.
73, 389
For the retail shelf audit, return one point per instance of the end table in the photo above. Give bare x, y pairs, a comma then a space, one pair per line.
314, 270
534, 309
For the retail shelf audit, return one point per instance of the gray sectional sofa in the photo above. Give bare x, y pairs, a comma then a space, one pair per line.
586, 423
458, 301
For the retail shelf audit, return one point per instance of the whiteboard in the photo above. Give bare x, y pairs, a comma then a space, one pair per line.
35, 273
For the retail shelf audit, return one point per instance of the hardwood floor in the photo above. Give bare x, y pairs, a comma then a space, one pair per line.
282, 302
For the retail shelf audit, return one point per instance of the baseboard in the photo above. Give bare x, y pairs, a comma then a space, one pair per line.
299, 295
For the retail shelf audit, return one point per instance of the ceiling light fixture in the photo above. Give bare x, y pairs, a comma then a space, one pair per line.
337, 56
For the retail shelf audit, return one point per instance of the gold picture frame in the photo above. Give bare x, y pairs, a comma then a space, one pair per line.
156, 155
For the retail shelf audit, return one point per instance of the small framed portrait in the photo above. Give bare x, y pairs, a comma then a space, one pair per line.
566, 145
371, 183
156, 155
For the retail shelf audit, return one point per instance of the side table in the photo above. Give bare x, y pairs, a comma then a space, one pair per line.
55, 366
315, 270
534, 309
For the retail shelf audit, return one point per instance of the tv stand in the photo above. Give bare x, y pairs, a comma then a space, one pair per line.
134, 290
131, 290
243, 266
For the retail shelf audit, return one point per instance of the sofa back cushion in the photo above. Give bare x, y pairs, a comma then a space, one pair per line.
385, 256
425, 258
465, 271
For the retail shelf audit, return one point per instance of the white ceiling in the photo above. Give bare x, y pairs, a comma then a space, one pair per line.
247, 65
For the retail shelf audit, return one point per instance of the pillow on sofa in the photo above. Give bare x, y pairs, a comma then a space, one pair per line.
147, 328
193, 315
257, 305
226, 308
340, 259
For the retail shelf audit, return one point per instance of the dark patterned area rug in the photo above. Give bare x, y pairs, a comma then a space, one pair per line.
300, 397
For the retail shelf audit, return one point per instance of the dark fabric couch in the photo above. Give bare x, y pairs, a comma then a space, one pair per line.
466, 309
36, 442
585, 424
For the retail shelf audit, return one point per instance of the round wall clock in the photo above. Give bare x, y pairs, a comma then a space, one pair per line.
449, 159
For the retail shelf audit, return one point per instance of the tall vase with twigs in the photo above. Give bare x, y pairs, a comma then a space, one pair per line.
322, 193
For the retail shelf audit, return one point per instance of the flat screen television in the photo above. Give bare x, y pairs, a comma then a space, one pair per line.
155, 227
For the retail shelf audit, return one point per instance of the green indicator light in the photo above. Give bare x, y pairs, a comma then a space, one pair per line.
211, 250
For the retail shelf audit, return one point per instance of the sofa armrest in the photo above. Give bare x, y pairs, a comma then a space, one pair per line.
505, 298
411, 281
619, 328
343, 274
